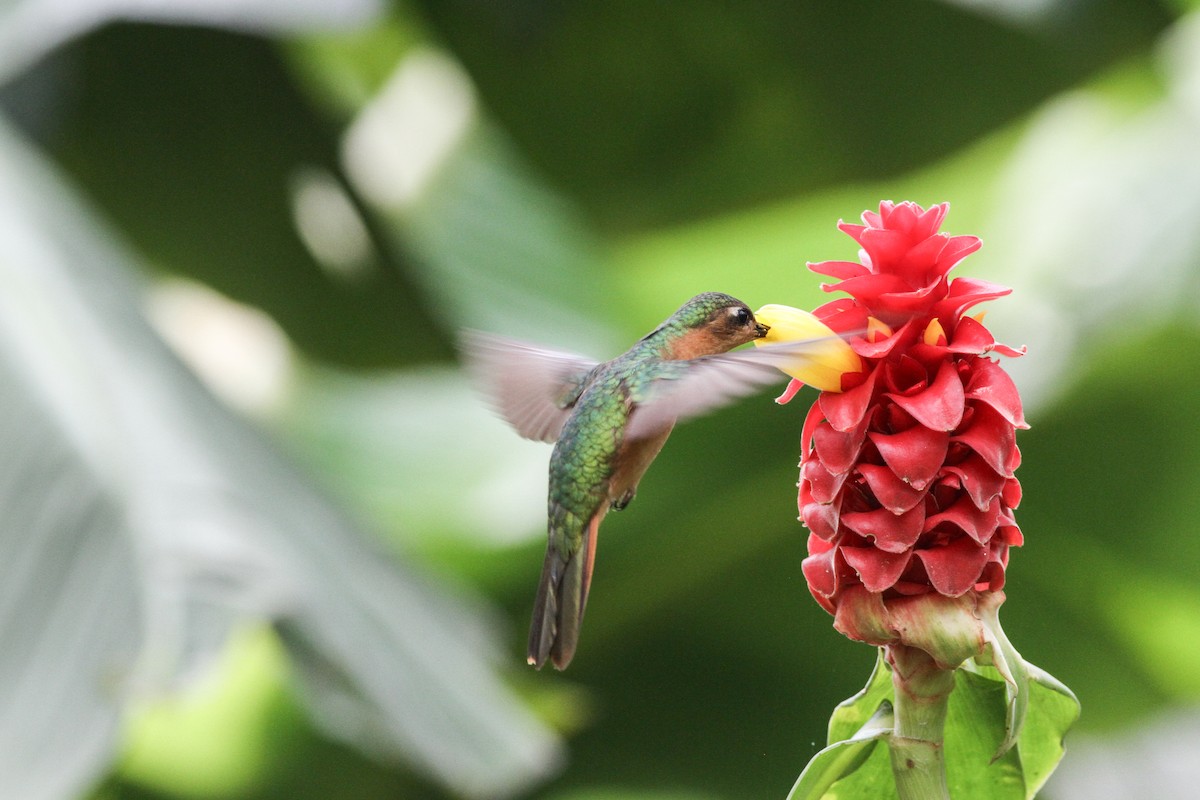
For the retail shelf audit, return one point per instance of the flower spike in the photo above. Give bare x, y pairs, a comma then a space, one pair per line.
907, 481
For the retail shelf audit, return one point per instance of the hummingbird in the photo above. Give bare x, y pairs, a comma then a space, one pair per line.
608, 421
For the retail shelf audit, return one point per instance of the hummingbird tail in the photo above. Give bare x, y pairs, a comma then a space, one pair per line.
545, 610
561, 598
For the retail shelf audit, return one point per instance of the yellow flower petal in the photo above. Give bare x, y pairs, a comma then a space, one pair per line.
935, 334
877, 329
824, 364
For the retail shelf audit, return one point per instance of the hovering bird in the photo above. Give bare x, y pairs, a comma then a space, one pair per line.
608, 421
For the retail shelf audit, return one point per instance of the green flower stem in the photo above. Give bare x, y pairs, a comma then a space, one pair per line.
922, 694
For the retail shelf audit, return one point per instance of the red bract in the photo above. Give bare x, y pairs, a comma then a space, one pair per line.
906, 481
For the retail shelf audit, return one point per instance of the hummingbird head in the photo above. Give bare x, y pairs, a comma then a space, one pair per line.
713, 323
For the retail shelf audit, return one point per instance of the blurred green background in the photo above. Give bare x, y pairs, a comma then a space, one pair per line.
290, 555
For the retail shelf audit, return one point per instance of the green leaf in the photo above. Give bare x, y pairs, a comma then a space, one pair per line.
1008, 662
977, 725
1054, 710
854, 712
857, 725
841, 759
871, 781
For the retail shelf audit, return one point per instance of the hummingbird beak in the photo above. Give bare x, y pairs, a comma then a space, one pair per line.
761, 329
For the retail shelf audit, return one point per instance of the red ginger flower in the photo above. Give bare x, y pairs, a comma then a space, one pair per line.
906, 480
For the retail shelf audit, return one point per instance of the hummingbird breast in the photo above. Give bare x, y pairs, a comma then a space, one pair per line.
594, 463
633, 458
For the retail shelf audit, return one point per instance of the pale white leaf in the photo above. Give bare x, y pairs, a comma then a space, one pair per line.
140, 520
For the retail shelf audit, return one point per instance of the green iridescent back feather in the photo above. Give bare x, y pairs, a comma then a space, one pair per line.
583, 457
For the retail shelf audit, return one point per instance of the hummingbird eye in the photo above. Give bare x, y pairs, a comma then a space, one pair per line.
742, 316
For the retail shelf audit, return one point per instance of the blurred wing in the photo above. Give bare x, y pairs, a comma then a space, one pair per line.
691, 388
530, 387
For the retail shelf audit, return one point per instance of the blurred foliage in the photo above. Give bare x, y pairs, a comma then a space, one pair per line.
190, 140
1090, 479
617, 158
649, 117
